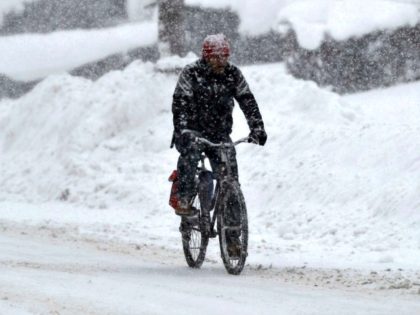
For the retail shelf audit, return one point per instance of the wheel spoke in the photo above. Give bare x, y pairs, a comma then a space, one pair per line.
233, 227
195, 248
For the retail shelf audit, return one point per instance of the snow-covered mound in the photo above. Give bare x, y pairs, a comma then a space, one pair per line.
31, 57
73, 130
336, 184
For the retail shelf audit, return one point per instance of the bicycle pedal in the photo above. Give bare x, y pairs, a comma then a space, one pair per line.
191, 218
193, 212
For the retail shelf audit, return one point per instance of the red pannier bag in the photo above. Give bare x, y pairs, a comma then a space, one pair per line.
174, 197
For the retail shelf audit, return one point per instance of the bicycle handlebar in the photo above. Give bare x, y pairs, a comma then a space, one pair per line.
226, 144
212, 144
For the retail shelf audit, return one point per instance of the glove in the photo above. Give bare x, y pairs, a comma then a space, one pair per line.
258, 136
187, 138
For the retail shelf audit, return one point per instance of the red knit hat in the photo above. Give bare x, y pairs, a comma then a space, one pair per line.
215, 46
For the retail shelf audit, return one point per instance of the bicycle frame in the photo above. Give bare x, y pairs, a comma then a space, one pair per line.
229, 207
225, 175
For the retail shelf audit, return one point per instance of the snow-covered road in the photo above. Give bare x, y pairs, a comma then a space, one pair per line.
46, 273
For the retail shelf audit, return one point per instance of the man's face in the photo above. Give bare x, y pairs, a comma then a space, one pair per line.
218, 63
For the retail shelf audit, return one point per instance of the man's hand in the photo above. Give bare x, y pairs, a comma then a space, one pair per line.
188, 137
258, 136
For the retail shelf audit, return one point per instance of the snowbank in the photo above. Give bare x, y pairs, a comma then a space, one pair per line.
336, 185
312, 20
30, 57
67, 121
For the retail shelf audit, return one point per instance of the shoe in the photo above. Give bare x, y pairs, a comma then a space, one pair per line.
234, 248
184, 207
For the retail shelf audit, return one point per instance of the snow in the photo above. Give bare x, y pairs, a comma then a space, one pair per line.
141, 10
250, 23
55, 275
333, 202
34, 56
30, 57
174, 62
357, 18
336, 186
7, 6
312, 20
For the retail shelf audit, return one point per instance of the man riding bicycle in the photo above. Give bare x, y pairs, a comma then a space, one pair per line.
203, 102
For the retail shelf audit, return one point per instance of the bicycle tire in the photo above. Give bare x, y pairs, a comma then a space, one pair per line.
194, 238
232, 196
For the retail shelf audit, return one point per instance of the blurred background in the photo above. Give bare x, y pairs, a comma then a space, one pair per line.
346, 45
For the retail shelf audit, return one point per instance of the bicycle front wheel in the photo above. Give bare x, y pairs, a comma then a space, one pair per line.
194, 237
232, 227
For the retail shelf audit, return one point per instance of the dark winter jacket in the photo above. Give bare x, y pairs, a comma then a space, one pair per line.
203, 100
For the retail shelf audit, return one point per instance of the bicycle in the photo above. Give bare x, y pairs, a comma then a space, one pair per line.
227, 203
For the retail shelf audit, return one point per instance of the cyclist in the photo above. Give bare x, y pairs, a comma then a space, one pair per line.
203, 102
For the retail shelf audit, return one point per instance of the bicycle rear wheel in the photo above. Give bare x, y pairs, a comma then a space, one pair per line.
194, 237
232, 227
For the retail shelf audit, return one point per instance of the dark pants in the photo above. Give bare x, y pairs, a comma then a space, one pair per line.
187, 166
190, 156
